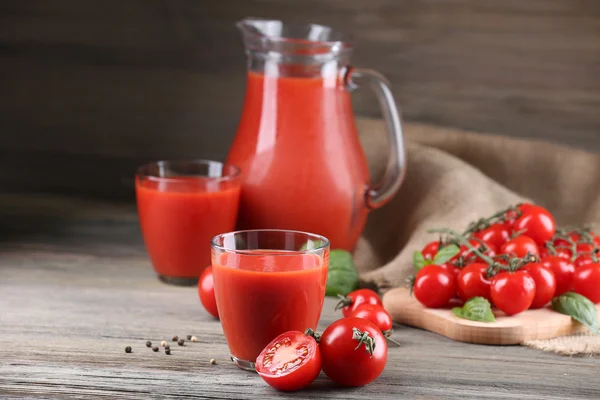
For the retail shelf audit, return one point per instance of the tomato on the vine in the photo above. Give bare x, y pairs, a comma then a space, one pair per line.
582, 260
563, 272
560, 252
511, 215
434, 286
430, 250
206, 292
520, 246
537, 222
472, 282
512, 292
354, 351
496, 234
290, 362
377, 315
466, 253
586, 282
355, 299
545, 284
453, 269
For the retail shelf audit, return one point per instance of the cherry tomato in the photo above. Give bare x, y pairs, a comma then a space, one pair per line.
586, 282
582, 260
356, 299
453, 269
472, 282
377, 315
206, 292
545, 284
496, 234
354, 351
585, 247
538, 224
467, 253
512, 292
511, 216
434, 286
560, 252
520, 246
563, 272
290, 362
430, 250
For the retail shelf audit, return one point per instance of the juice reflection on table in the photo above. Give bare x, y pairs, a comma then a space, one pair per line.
262, 293
182, 206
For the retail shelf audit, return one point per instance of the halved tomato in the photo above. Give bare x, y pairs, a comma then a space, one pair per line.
290, 362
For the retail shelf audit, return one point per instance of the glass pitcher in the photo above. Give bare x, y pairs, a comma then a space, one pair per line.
302, 164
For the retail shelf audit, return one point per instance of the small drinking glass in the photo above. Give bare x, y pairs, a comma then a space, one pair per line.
182, 205
267, 282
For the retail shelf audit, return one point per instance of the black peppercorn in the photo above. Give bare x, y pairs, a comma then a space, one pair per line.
155, 349
148, 344
175, 338
181, 342
167, 347
189, 337
128, 349
167, 351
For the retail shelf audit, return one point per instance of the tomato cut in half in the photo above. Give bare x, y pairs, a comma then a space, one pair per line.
290, 362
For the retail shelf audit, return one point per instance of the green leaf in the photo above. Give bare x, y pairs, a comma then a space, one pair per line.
445, 254
311, 244
342, 277
579, 307
475, 309
418, 260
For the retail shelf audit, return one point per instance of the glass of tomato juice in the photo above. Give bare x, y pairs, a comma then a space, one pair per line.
182, 205
267, 282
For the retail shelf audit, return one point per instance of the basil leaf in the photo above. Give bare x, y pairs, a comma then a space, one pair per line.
445, 254
311, 244
342, 277
418, 260
579, 307
475, 309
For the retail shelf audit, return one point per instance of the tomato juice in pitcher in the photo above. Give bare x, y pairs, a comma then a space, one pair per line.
297, 145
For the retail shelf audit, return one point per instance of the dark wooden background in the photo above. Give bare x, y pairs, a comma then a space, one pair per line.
91, 88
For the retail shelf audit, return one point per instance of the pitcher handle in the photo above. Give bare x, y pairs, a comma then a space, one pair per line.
380, 193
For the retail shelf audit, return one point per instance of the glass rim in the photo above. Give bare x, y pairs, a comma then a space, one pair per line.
253, 252
141, 171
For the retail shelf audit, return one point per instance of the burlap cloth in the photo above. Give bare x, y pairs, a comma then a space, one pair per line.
454, 177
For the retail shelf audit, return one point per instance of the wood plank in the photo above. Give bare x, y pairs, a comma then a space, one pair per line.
69, 306
86, 83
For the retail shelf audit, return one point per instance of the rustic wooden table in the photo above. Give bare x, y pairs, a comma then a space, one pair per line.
76, 288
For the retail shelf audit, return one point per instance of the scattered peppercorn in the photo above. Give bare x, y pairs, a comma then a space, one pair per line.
167, 347
168, 351
213, 361
155, 349
128, 349
189, 337
148, 344
194, 339
175, 338
163, 343
181, 342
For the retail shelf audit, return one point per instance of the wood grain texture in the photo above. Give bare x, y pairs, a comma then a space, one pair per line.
517, 329
90, 89
76, 288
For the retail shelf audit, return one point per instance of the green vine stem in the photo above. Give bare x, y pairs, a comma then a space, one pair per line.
484, 223
364, 338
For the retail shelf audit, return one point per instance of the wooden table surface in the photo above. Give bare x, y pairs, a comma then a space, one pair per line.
76, 288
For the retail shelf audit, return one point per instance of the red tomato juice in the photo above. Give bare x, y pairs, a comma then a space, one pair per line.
266, 293
302, 164
180, 216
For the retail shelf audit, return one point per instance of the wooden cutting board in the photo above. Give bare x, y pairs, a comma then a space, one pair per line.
529, 325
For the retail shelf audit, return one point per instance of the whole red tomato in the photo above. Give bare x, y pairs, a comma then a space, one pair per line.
520, 246
290, 362
560, 252
206, 292
430, 250
472, 282
582, 260
538, 224
563, 272
434, 286
453, 269
357, 298
496, 234
586, 282
512, 292
354, 351
545, 284
377, 315
511, 216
